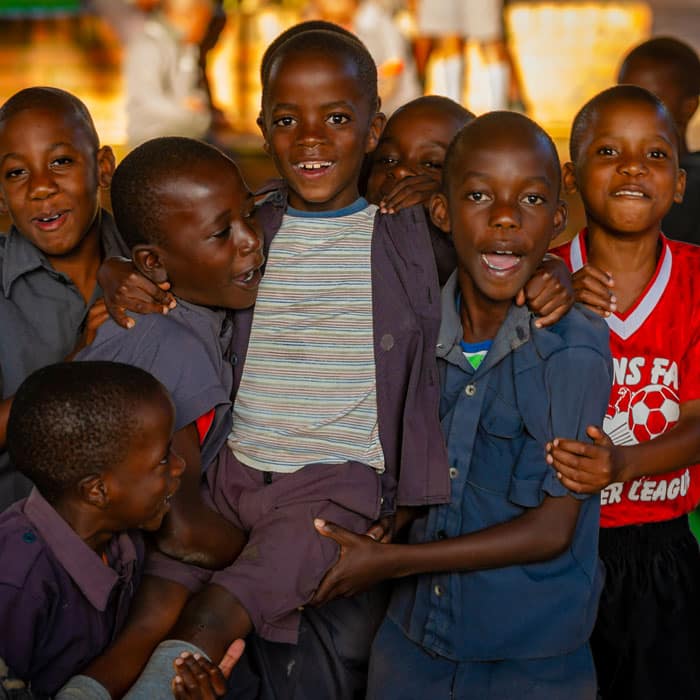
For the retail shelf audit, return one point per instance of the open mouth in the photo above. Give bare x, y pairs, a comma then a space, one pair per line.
250, 278
49, 220
633, 193
314, 167
501, 260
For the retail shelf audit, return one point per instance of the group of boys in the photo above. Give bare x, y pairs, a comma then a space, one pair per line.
292, 441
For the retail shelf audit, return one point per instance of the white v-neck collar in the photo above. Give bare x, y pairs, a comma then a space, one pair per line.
632, 321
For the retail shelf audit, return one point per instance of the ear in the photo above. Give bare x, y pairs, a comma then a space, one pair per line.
561, 216
568, 177
93, 490
439, 212
105, 166
689, 106
149, 262
680, 186
3, 205
260, 121
375, 131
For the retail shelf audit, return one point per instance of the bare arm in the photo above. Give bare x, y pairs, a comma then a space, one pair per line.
539, 534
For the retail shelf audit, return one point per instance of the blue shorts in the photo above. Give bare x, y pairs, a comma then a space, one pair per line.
400, 669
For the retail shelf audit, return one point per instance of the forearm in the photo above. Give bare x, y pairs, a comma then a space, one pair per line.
539, 534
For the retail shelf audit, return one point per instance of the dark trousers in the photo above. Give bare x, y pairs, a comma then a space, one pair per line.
646, 642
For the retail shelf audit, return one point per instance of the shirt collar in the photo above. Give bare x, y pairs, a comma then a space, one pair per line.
514, 332
95, 580
22, 256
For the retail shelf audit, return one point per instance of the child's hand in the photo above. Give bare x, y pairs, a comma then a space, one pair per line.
385, 529
414, 189
549, 292
199, 679
594, 289
97, 315
125, 288
583, 467
357, 569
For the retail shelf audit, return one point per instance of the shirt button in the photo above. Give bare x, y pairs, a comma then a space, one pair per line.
438, 590
470, 390
387, 341
29, 537
234, 359
454, 473
441, 535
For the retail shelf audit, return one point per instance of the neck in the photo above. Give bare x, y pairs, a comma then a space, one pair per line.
89, 528
481, 317
82, 263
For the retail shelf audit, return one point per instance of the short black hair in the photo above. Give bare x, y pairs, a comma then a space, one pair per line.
444, 104
618, 93
137, 196
333, 40
503, 122
53, 99
75, 419
681, 59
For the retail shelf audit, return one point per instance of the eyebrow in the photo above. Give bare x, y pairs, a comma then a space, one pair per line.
52, 147
534, 178
621, 135
327, 105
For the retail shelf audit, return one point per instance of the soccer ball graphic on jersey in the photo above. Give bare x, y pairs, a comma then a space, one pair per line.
653, 411
639, 416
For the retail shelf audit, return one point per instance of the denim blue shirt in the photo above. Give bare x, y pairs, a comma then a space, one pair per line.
534, 384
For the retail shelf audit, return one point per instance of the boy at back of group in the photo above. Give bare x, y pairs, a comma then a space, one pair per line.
624, 152
335, 386
95, 438
671, 70
500, 587
51, 171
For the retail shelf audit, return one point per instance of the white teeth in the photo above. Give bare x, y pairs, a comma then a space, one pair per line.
503, 252
48, 219
314, 166
629, 193
249, 276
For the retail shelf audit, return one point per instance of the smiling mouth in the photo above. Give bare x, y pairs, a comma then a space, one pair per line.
637, 194
501, 260
315, 166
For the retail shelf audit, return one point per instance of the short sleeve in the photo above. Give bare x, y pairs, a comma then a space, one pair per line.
24, 620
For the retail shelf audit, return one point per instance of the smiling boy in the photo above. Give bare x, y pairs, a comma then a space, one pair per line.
70, 556
51, 171
499, 588
624, 163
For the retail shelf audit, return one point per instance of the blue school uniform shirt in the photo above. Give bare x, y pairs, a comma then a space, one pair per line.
534, 384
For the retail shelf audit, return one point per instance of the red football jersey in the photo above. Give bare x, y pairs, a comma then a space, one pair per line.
655, 346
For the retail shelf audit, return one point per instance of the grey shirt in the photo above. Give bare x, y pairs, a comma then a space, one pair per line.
42, 315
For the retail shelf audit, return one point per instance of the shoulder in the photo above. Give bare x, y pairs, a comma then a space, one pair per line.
407, 228
580, 328
686, 256
23, 554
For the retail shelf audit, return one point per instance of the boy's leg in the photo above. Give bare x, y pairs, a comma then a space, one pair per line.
645, 643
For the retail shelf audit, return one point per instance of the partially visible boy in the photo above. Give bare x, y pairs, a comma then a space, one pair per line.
51, 171
500, 587
624, 152
671, 70
95, 438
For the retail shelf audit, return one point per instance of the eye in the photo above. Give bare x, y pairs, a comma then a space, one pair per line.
606, 151
388, 160
432, 164
657, 154
477, 197
284, 121
338, 119
533, 199
223, 234
61, 160
14, 173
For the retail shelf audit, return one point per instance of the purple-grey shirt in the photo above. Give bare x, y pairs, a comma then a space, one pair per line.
60, 603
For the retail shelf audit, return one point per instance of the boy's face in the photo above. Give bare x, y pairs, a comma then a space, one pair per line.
502, 208
318, 125
414, 142
627, 169
140, 488
211, 254
49, 178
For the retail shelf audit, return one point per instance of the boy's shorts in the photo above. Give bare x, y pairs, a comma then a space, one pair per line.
476, 19
285, 558
646, 643
567, 677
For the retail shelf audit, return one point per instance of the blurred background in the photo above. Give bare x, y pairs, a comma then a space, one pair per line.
546, 59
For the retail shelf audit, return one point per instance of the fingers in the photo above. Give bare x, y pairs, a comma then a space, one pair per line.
230, 659
412, 190
197, 678
581, 467
548, 298
594, 288
335, 532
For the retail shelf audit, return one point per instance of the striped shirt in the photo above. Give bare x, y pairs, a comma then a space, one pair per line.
308, 390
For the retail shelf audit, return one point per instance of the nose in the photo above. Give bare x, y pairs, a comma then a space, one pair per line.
504, 215
310, 132
633, 165
401, 170
42, 184
247, 238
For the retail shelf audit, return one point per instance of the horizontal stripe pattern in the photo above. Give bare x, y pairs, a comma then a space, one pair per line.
308, 391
